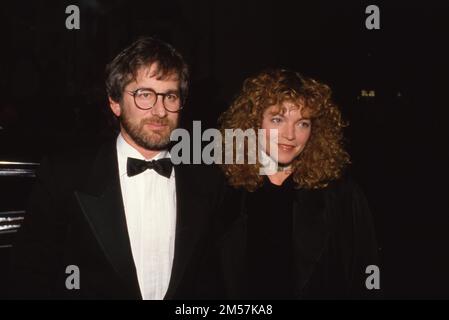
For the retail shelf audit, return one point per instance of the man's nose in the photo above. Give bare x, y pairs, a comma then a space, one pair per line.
158, 108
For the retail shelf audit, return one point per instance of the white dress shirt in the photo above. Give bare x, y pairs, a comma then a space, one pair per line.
150, 208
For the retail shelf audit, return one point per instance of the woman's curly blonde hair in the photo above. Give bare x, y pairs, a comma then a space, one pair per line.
322, 160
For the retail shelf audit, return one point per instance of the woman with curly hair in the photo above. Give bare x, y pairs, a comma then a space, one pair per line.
305, 230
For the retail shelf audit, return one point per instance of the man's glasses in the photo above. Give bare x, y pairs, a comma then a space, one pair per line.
146, 99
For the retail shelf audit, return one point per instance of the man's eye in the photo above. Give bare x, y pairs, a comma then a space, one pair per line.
172, 97
145, 94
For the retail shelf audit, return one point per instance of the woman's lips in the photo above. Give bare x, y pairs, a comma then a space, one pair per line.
286, 147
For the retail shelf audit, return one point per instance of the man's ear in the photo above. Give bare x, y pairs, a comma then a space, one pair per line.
115, 107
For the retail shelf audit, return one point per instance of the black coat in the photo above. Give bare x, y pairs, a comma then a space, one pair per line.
76, 217
333, 243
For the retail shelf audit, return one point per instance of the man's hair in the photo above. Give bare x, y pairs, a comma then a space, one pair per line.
143, 53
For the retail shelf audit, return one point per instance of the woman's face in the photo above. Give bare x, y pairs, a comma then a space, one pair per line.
293, 130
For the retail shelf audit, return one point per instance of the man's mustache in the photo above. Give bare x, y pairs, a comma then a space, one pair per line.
157, 121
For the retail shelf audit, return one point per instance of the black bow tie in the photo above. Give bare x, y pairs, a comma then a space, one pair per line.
162, 166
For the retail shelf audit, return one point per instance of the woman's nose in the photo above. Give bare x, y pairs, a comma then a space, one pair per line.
289, 131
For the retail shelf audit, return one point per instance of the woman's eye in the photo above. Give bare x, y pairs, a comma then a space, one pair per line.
276, 120
304, 124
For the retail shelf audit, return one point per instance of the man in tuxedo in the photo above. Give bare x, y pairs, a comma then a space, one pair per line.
121, 221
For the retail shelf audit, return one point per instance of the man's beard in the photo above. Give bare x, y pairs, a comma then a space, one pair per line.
150, 140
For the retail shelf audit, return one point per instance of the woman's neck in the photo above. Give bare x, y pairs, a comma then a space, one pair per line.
279, 177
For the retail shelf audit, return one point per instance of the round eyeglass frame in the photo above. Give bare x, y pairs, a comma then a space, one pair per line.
134, 93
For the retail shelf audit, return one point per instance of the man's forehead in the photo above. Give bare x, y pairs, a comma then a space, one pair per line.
154, 71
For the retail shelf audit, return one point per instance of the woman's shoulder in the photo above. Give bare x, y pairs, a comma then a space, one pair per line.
348, 197
346, 185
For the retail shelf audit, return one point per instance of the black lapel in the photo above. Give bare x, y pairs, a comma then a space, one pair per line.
311, 228
191, 216
102, 203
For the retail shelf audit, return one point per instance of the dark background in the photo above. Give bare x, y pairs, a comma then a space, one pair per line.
52, 94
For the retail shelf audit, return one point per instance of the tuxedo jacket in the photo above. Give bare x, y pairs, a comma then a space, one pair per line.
76, 217
333, 242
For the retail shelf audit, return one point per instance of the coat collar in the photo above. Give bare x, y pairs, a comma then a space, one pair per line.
102, 204
191, 222
311, 229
